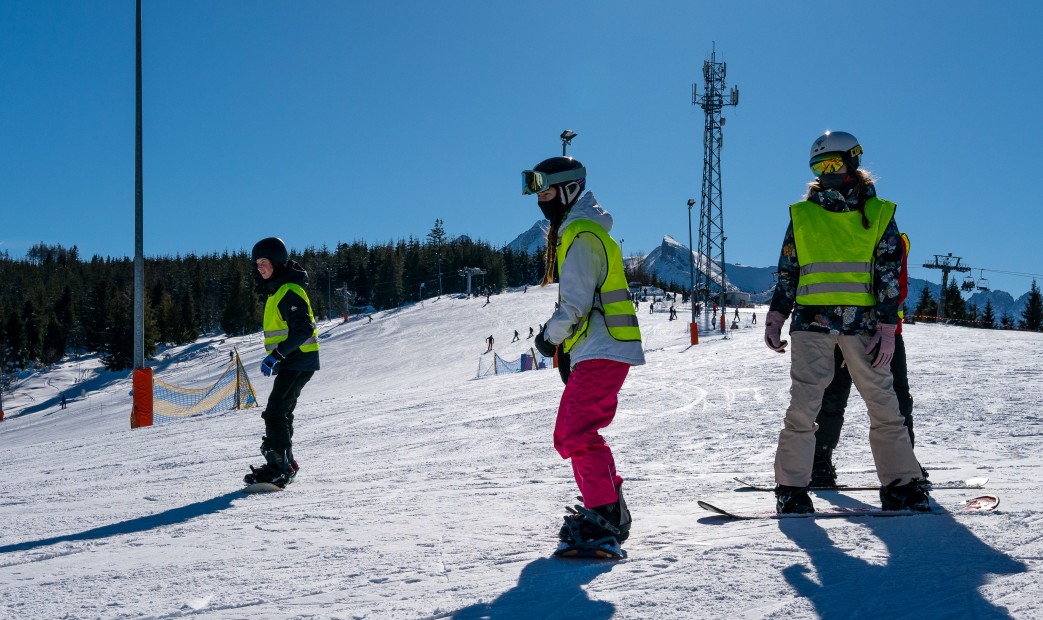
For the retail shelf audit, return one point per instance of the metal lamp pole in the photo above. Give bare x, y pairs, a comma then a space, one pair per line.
691, 260
566, 139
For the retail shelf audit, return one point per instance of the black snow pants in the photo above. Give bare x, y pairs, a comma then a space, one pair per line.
278, 415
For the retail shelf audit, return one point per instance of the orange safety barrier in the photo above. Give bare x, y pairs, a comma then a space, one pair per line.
694, 328
141, 414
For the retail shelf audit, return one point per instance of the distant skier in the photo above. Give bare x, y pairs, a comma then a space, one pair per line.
489, 341
516, 336
530, 332
595, 332
840, 260
292, 343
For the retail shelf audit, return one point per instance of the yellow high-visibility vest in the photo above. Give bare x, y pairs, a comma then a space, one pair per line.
836, 252
614, 293
276, 329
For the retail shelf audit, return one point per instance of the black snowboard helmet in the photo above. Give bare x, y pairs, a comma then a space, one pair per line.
273, 249
565, 173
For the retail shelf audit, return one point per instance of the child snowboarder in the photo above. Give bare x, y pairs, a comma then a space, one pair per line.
595, 326
292, 344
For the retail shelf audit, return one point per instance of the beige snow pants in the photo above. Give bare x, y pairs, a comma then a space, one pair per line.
811, 370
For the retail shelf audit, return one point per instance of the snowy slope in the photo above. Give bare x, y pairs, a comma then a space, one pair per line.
426, 493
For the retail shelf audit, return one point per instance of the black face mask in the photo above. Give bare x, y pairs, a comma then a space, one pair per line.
836, 181
556, 208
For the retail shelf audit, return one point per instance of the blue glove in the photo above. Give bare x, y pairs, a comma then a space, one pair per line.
269, 363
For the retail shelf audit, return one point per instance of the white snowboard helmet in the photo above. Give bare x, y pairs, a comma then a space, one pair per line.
838, 142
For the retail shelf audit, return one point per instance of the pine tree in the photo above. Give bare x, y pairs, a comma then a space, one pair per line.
117, 350
1032, 316
239, 315
387, 293
988, 316
926, 307
955, 306
53, 341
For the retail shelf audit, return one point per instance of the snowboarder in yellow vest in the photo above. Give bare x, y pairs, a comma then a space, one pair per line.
291, 343
595, 334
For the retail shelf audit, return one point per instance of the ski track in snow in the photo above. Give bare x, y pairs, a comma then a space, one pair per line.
425, 493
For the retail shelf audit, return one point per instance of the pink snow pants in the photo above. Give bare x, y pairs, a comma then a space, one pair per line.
588, 405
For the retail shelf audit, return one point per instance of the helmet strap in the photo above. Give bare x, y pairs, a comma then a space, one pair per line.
556, 208
570, 192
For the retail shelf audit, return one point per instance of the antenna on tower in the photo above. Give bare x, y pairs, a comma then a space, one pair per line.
711, 272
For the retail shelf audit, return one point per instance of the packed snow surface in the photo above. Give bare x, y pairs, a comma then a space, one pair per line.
427, 493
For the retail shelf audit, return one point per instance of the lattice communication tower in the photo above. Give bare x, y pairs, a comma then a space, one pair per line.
710, 272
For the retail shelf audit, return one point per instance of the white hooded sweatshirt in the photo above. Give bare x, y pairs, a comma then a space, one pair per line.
584, 268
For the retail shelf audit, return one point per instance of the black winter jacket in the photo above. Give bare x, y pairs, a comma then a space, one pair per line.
294, 311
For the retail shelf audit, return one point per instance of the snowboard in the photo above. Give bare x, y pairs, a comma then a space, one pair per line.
970, 483
589, 552
262, 487
983, 503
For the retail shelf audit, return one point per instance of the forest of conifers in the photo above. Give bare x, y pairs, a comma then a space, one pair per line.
52, 302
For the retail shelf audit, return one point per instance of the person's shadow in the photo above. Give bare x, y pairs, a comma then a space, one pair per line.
140, 524
547, 587
934, 569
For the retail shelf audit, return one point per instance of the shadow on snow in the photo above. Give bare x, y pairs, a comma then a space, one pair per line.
934, 568
139, 524
545, 587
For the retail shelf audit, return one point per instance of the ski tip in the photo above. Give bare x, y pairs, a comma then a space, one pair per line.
717, 511
982, 503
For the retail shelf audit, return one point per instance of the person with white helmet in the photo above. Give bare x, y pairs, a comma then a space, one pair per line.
839, 272
595, 333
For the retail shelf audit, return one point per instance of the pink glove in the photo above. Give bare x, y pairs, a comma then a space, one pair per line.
773, 332
884, 344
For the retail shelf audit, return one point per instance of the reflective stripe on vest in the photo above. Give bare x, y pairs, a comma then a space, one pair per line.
837, 253
613, 293
276, 329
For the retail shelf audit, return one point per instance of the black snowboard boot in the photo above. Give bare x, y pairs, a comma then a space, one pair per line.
607, 524
909, 496
823, 474
279, 469
792, 500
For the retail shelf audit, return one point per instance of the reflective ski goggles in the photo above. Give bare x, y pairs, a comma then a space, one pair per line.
827, 163
536, 182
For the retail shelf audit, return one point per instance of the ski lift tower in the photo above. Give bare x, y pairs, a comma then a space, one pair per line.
711, 272
946, 264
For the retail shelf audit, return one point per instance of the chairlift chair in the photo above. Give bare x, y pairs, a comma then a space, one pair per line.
968, 283
983, 283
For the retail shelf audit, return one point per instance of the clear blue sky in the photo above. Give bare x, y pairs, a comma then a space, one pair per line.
324, 122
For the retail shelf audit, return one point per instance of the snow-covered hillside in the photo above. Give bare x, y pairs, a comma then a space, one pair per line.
425, 493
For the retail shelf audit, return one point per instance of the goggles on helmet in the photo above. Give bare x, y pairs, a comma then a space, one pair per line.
826, 163
536, 182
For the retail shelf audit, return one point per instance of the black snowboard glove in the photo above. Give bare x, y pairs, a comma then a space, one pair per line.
544, 347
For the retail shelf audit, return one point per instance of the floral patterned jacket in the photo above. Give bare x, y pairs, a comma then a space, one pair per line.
847, 320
